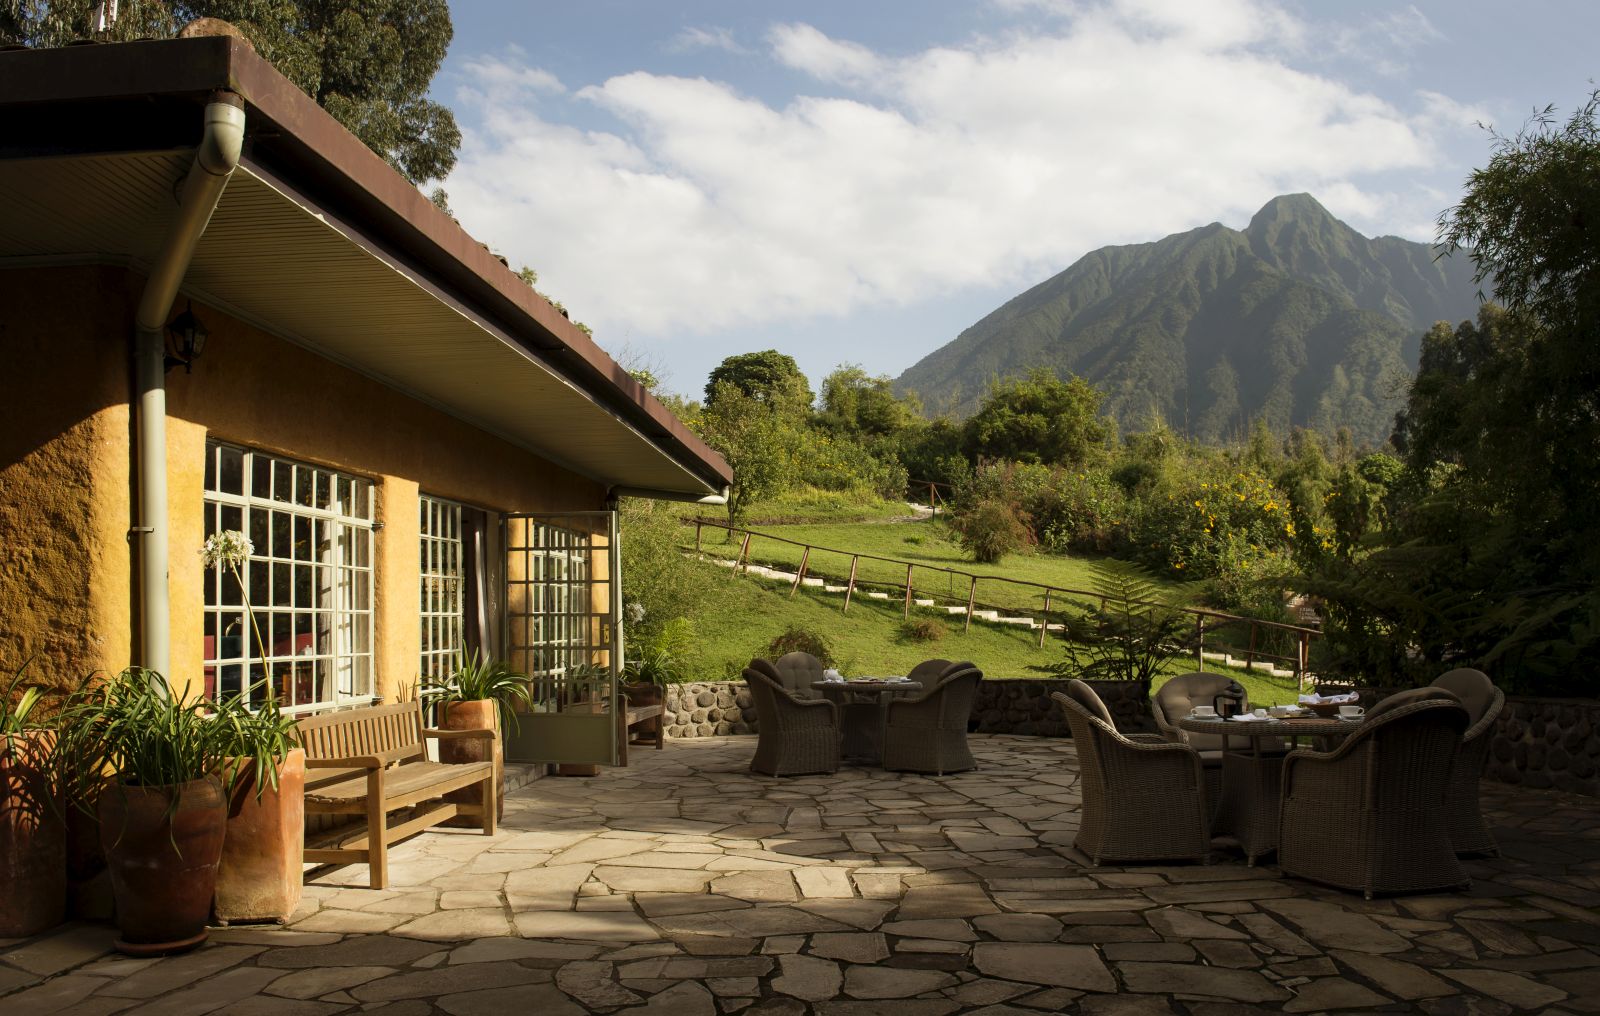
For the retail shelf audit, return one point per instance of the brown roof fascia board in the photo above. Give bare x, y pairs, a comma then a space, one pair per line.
308, 142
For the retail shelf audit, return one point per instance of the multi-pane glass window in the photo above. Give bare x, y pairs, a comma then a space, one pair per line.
443, 587
558, 620
307, 622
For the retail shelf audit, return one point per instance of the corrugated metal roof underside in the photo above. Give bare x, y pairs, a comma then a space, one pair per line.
288, 269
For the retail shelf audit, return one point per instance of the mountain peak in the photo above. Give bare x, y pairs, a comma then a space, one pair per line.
1286, 208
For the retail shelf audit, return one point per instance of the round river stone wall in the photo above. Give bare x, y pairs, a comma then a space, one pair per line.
1544, 743
715, 708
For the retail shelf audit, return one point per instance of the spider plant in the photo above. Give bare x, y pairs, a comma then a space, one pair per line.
480, 677
14, 708
257, 741
135, 726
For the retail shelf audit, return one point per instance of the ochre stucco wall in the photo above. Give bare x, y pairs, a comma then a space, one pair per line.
65, 571
65, 472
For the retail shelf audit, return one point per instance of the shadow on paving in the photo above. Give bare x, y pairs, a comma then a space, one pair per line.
687, 885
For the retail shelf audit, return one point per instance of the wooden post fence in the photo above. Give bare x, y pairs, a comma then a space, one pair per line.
800, 576
907, 614
972, 598
850, 587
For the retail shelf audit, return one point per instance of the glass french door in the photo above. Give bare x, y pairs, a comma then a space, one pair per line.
563, 629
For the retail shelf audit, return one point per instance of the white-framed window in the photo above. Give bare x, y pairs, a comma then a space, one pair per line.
444, 587
309, 581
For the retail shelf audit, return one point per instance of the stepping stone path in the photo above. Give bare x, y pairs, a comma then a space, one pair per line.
686, 885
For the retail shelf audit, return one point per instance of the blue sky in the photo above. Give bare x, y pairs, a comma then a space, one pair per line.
858, 182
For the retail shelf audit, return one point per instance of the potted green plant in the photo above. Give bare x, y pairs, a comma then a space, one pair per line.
481, 694
33, 860
263, 853
163, 812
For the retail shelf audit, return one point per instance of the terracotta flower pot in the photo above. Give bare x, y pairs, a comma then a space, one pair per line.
162, 846
478, 714
259, 876
33, 850
88, 881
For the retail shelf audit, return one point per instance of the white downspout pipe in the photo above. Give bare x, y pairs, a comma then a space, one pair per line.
214, 160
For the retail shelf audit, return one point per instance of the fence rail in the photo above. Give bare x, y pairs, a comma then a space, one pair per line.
1204, 620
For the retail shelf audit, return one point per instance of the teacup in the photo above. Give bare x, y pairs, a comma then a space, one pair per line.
1205, 712
1281, 711
1351, 712
1260, 711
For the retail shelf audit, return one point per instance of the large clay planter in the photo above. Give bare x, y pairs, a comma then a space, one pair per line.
162, 846
33, 849
259, 876
478, 714
88, 881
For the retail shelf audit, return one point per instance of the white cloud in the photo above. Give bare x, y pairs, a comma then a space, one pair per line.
990, 163
511, 74
804, 48
692, 39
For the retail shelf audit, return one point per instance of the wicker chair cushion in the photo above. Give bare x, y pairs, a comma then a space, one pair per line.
928, 672
796, 672
1085, 696
1410, 697
1178, 697
1472, 687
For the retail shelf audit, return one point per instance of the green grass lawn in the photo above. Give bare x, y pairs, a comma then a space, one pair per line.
941, 565
745, 613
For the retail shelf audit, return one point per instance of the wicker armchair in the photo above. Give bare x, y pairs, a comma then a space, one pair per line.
927, 733
1370, 816
795, 736
1483, 701
1175, 700
929, 671
1141, 801
796, 672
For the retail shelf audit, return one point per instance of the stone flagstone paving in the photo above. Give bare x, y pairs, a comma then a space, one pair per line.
686, 885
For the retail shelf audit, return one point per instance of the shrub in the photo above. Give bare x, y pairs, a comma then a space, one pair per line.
795, 639
1190, 524
993, 529
924, 630
1080, 511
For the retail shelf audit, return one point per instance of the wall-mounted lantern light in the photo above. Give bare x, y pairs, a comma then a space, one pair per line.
186, 339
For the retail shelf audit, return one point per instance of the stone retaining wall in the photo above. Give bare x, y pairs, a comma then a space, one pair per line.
1545, 743
713, 708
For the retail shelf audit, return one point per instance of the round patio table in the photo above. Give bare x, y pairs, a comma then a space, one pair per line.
1248, 811
862, 706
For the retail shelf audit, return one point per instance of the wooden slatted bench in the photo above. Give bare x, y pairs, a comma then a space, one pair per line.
646, 705
373, 760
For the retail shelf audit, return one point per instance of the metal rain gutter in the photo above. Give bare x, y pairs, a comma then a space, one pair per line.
214, 161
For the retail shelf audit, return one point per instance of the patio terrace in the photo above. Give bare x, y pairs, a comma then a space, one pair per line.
685, 884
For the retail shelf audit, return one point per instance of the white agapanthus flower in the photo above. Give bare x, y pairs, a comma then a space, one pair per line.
229, 547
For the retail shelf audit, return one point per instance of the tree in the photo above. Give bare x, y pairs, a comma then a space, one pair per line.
760, 442
368, 64
1490, 559
768, 377
1039, 418
855, 403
